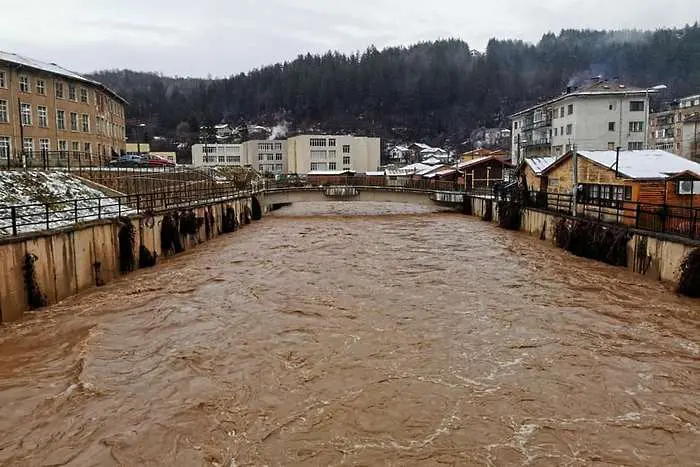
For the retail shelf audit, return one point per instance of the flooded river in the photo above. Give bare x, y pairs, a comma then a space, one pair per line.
373, 335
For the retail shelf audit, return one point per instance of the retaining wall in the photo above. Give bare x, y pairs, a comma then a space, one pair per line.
87, 255
656, 256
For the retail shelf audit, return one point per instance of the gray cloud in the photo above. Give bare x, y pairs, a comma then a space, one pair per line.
222, 38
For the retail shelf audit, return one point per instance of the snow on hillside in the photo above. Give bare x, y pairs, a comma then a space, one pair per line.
32, 191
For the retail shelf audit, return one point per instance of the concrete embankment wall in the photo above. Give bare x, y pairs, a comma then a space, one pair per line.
88, 255
654, 255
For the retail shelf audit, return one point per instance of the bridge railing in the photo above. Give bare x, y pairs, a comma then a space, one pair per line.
23, 218
312, 182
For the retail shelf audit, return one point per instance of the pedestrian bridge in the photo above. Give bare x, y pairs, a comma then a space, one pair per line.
384, 194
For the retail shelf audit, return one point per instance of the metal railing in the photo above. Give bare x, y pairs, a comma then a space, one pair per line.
17, 219
683, 221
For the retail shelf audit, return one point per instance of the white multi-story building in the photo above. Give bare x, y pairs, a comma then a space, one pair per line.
308, 153
267, 156
219, 154
601, 116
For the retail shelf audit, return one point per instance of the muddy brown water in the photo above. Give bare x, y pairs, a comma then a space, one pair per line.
358, 334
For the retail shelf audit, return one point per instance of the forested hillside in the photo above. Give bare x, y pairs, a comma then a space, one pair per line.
436, 91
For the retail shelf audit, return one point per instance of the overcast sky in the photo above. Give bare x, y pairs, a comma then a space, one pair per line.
202, 37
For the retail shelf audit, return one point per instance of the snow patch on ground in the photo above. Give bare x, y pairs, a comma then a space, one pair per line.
66, 198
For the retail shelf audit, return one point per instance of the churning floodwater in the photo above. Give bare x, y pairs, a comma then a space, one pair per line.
358, 334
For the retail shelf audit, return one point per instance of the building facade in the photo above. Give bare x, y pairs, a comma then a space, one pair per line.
601, 116
328, 152
267, 156
674, 129
214, 155
49, 112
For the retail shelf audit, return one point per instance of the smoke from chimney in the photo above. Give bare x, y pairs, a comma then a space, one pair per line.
279, 131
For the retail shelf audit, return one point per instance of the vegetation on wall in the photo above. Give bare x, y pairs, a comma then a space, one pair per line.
593, 240
170, 241
488, 210
35, 297
690, 275
146, 258
190, 223
127, 240
229, 221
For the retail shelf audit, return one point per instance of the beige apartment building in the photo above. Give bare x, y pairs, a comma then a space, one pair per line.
50, 113
676, 129
307, 153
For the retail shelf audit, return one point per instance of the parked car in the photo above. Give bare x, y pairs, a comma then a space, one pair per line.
159, 162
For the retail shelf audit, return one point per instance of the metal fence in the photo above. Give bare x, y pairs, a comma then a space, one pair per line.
17, 219
662, 218
44, 160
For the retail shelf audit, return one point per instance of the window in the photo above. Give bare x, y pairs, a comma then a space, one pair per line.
556, 131
59, 89
346, 160
73, 121
4, 147
606, 195
233, 158
319, 166
636, 127
515, 125
85, 123
561, 112
318, 142
635, 146
612, 106
278, 156
24, 84
43, 116
75, 146
71, 92
26, 114
222, 158
61, 119
88, 148
3, 80
278, 146
636, 106
28, 145
62, 147
3, 111
569, 129
44, 146
688, 187
41, 87
83, 95
611, 126
611, 146
561, 131
261, 168
331, 166
270, 157
278, 168
331, 142
570, 109
319, 155
261, 157
346, 149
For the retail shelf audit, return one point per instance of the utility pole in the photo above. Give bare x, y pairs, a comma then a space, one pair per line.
574, 191
21, 133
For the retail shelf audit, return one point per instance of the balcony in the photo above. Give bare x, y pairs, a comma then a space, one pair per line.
534, 125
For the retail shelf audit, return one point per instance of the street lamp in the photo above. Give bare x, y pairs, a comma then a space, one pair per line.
653, 89
138, 143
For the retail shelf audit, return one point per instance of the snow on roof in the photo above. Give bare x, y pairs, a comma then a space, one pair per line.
422, 146
433, 151
432, 160
645, 164
415, 167
52, 68
330, 172
374, 174
540, 164
430, 170
221, 126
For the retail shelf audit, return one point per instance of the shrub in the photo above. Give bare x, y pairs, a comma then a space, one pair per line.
488, 210
229, 221
146, 258
593, 240
127, 239
35, 297
170, 235
689, 284
509, 214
